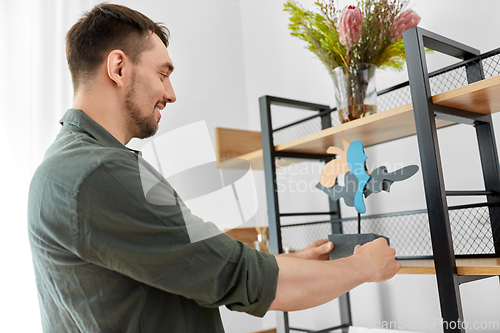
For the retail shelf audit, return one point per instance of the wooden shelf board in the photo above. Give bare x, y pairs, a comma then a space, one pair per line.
246, 235
254, 158
378, 128
475, 266
479, 97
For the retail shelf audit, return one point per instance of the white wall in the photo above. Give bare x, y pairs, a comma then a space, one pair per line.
278, 64
206, 48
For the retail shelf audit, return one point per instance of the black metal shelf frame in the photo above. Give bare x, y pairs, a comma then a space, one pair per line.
416, 40
274, 215
425, 112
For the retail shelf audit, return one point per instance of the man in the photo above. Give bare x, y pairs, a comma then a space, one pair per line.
108, 260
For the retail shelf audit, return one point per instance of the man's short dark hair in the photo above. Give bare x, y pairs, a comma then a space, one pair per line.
105, 28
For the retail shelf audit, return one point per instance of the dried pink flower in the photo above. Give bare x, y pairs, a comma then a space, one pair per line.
350, 22
406, 20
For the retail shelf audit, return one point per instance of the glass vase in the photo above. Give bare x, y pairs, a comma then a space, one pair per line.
355, 91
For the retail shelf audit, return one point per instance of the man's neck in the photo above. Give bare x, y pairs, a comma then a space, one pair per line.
104, 109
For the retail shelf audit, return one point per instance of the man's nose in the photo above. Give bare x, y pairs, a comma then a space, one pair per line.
169, 94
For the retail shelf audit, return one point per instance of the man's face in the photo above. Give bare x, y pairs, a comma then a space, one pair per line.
150, 90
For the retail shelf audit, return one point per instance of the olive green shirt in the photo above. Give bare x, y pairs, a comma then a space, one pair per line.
108, 260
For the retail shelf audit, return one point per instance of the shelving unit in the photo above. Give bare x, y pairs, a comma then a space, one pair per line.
478, 115
473, 103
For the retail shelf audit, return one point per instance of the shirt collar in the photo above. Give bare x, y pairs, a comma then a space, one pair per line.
81, 120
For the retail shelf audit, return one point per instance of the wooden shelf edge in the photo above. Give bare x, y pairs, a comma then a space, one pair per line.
254, 158
269, 330
345, 128
246, 235
475, 266
479, 97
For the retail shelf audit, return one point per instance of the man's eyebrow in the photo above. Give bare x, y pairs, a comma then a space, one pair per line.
168, 65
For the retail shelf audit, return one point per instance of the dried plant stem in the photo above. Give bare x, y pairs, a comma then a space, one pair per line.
261, 229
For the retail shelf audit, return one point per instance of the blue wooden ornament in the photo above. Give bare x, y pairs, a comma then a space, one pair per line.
356, 161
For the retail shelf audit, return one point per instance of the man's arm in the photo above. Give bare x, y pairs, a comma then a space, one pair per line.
317, 250
304, 283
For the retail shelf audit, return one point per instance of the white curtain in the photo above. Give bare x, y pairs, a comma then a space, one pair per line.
35, 90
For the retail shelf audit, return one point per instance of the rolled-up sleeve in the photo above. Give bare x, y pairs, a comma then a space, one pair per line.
118, 228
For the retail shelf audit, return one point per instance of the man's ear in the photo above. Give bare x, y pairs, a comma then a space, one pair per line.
115, 64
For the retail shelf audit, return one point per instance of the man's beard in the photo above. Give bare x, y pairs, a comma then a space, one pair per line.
143, 126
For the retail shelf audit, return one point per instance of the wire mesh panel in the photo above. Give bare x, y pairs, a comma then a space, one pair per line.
486, 66
297, 237
471, 231
307, 127
491, 66
448, 80
394, 98
291, 133
335, 118
409, 233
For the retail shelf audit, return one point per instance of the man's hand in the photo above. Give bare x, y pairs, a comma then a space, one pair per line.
306, 283
380, 258
318, 250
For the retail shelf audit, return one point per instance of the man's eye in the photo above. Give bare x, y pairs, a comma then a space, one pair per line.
163, 76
